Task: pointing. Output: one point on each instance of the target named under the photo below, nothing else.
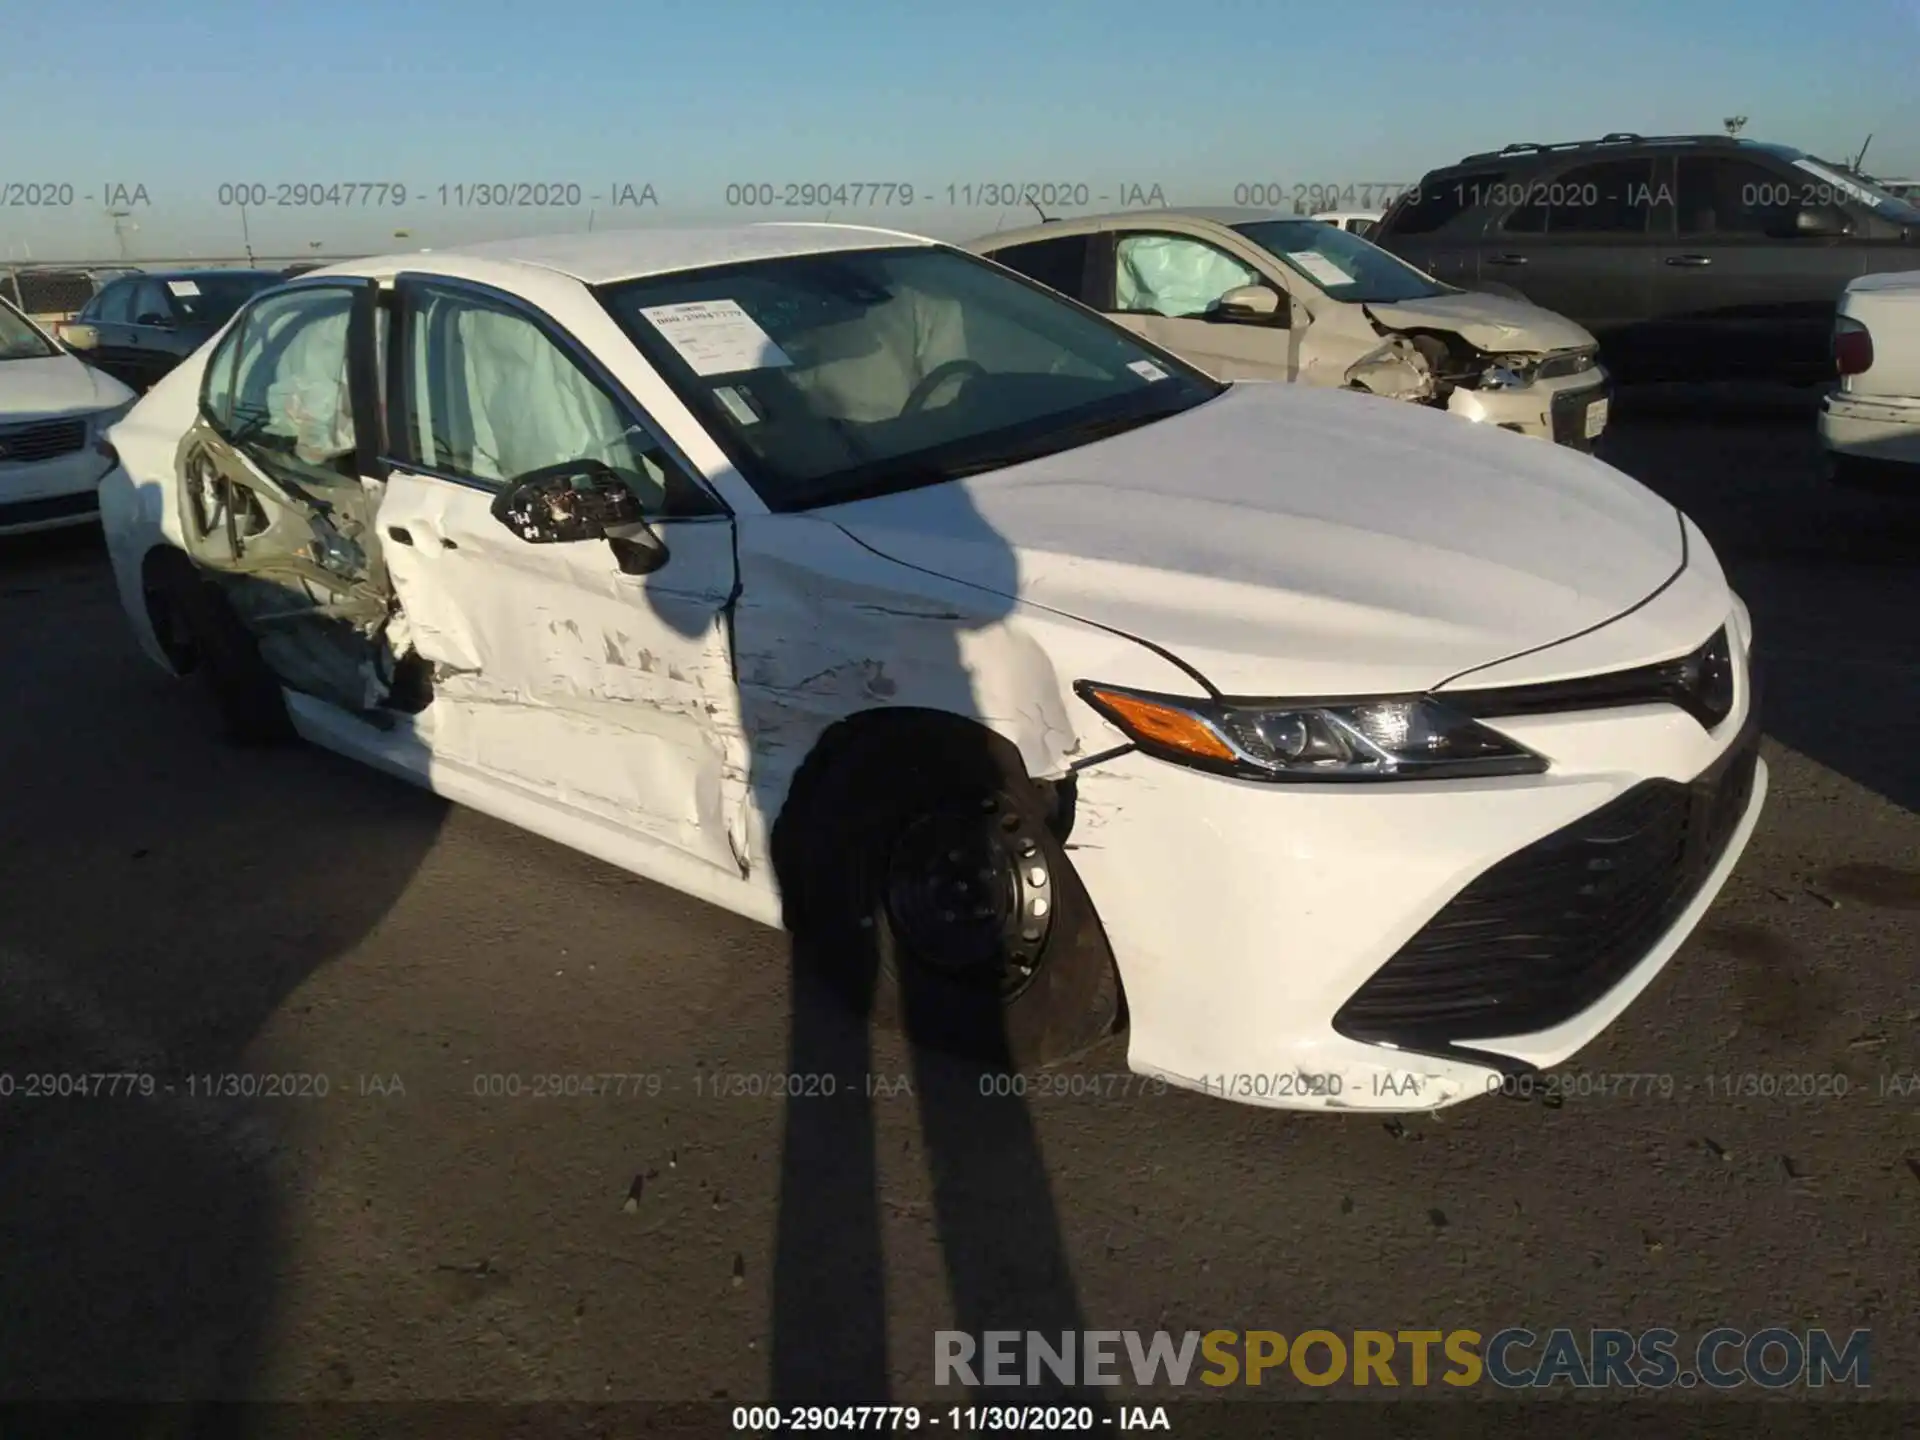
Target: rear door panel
(1736, 293)
(276, 505)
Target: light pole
(246, 234)
(120, 229)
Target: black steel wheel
(925, 881)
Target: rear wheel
(928, 886)
(204, 636)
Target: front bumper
(50, 494)
(1564, 409)
(1246, 918)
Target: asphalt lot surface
(169, 903)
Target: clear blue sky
(690, 95)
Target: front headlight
(1411, 738)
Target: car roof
(602, 257)
(1619, 140)
(1225, 215)
(200, 273)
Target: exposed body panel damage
(559, 674)
(298, 561)
(827, 629)
(1428, 365)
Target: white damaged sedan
(1351, 757)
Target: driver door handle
(1506, 259)
(1689, 259)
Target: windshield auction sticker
(716, 337)
(1319, 267)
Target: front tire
(927, 886)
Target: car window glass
(1340, 263)
(206, 301)
(836, 376)
(1723, 196)
(1059, 264)
(1174, 275)
(1609, 197)
(150, 301)
(114, 305)
(19, 339)
(1435, 202)
(290, 402)
(216, 384)
(491, 396)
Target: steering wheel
(935, 378)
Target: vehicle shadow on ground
(995, 1217)
(1829, 573)
(165, 895)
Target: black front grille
(1550, 929)
(1700, 683)
(1569, 415)
(41, 440)
(52, 507)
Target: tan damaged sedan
(1252, 295)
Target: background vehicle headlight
(1412, 738)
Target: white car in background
(845, 580)
(1251, 295)
(53, 412)
(1870, 425)
(1355, 222)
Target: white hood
(1497, 324)
(1288, 540)
(55, 385)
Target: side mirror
(1823, 222)
(78, 337)
(581, 500)
(1259, 304)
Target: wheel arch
(162, 570)
(853, 729)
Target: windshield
(1855, 187)
(20, 338)
(838, 376)
(210, 300)
(1342, 264)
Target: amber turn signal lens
(1161, 724)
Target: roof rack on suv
(1616, 137)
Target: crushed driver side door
(563, 670)
(279, 487)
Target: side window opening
(1609, 197)
(1174, 275)
(1059, 263)
(1434, 203)
(1715, 195)
(491, 396)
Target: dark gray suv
(1688, 256)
